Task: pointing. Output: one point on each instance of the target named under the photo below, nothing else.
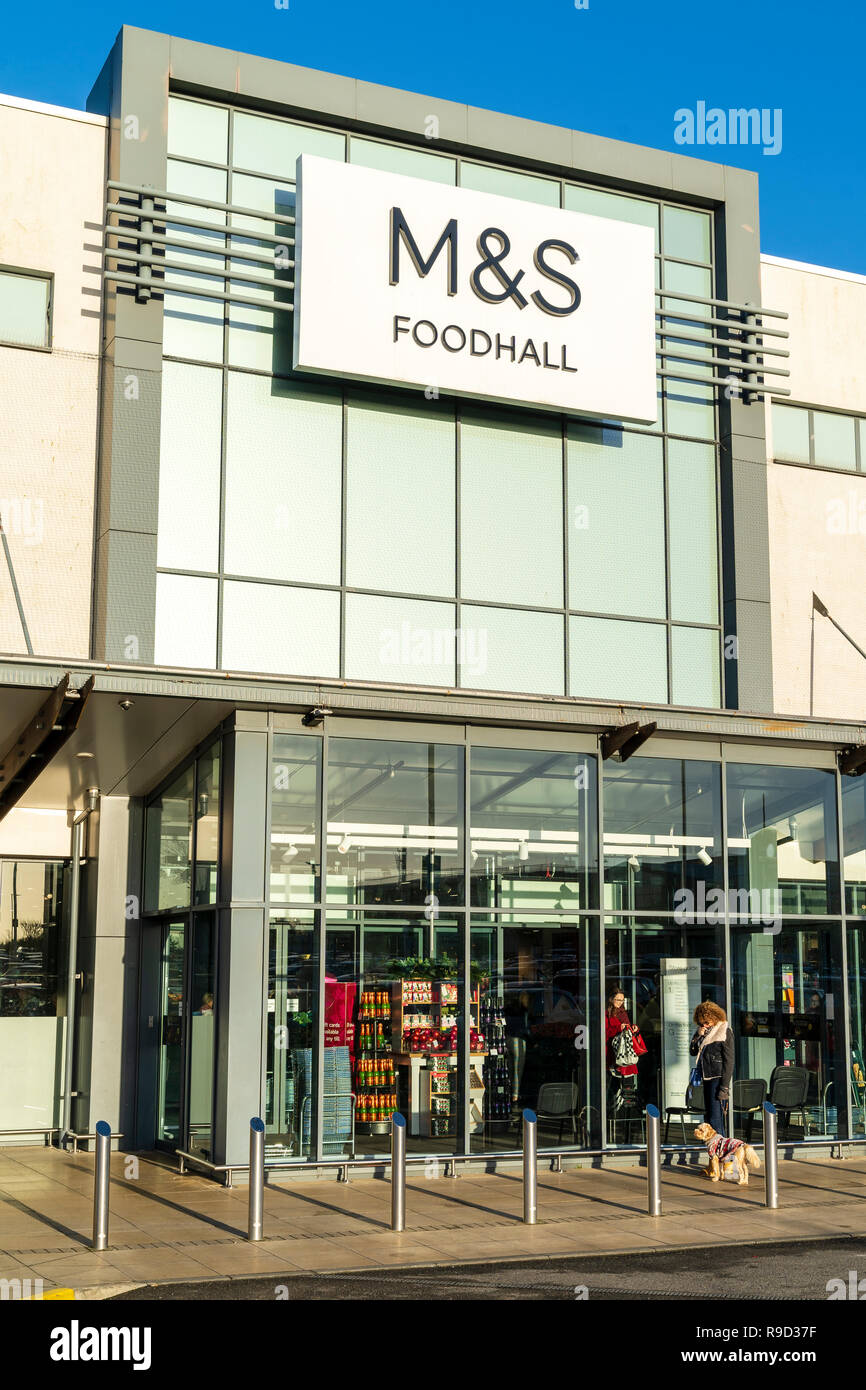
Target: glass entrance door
(172, 1009)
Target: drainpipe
(78, 833)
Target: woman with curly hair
(713, 1046)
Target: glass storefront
(447, 922)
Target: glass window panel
(686, 234)
(689, 279)
(192, 326)
(692, 519)
(782, 847)
(202, 1025)
(395, 822)
(291, 1030)
(281, 629)
(168, 844)
(272, 147)
(857, 1013)
(402, 641)
(538, 985)
(534, 838)
(394, 992)
(511, 496)
(786, 996)
(616, 554)
(854, 844)
(283, 480)
(261, 339)
(510, 649)
(612, 205)
(401, 464)
(24, 303)
(862, 428)
(198, 182)
(612, 660)
(33, 949)
(695, 667)
(790, 433)
(207, 822)
(396, 160)
(189, 468)
(689, 407)
(662, 971)
(296, 763)
(662, 821)
(186, 610)
(485, 179)
(197, 131)
(835, 445)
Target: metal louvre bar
(179, 244)
(223, 228)
(733, 362)
(757, 389)
(164, 196)
(733, 344)
(749, 328)
(161, 263)
(163, 288)
(755, 309)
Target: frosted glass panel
(513, 185)
(611, 660)
(507, 649)
(399, 641)
(191, 325)
(695, 663)
(198, 182)
(272, 147)
(693, 532)
(616, 536)
(511, 512)
(189, 468)
(24, 309)
(599, 204)
(198, 131)
(283, 481)
(834, 440)
(686, 234)
(690, 407)
(790, 434)
(401, 479)
(280, 629)
(186, 621)
(395, 160)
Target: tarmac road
(786, 1271)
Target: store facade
(432, 628)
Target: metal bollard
(530, 1167)
(101, 1179)
(653, 1161)
(257, 1179)
(398, 1172)
(771, 1157)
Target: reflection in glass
(32, 952)
(782, 845)
(786, 992)
(662, 834)
(854, 844)
(290, 1075)
(664, 970)
(202, 1007)
(533, 836)
(171, 1035)
(394, 822)
(168, 844)
(857, 1005)
(295, 791)
(394, 1002)
(207, 813)
(538, 1000)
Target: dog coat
(720, 1147)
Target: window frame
(25, 272)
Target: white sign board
(680, 985)
(412, 283)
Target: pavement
(167, 1229)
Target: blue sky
(620, 68)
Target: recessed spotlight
(704, 857)
(85, 755)
(126, 705)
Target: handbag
(695, 1080)
(624, 1050)
(638, 1043)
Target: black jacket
(717, 1059)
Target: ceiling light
(289, 853)
(474, 855)
(634, 862)
(704, 857)
(85, 755)
(126, 704)
(523, 852)
(343, 846)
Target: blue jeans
(713, 1106)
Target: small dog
(722, 1150)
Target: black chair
(747, 1098)
(681, 1111)
(557, 1100)
(789, 1087)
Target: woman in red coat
(622, 1078)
